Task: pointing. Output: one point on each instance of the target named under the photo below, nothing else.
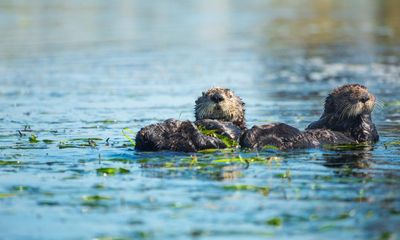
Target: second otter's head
(349, 101)
(220, 104)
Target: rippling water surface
(74, 74)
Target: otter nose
(217, 98)
(364, 98)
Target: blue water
(73, 71)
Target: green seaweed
(6, 195)
(326, 227)
(270, 147)
(241, 160)
(243, 187)
(33, 139)
(21, 188)
(79, 143)
(121, 160)
(85, 139)
(392, 104)
(106, 121)
(7, 163)
(48, 203)
(386, 236)
(276, 222)
(230, 143)
(95, 198)
(393, 143)
(230, 160)
(99, 186)
(112, 171)
(285, 175)
(346, 215)
(48, 141)
(211, 150)
(127, 136)
(342, 147)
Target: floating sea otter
(346, 120)
(218, 109)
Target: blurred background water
(71, 71)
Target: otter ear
(329, 104)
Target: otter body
(217, 109)
(346, 120)
(175, 135)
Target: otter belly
(175, 135)
(285, 137)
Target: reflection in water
(347, 162)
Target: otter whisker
(379, 104)
(344, 112)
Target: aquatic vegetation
(33, 139)
(392, 104)
(393, 143)
(127, 136)
(6, 195)
(48, 141)
(121, 160)
(79, 143)
(230, 143)
(347, 214)
(276, 222)
(342, 147)
(12, 163)
(264, 190)
(386, 236)
(270, 147)
(94, 198)
(112, 171)
(287, 174)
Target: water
(73, 71)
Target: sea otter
(348, 110)
(218, 110)
(346, 120)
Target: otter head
(349, 101)
(220, 104)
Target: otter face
(349, 101)
(220, 104)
